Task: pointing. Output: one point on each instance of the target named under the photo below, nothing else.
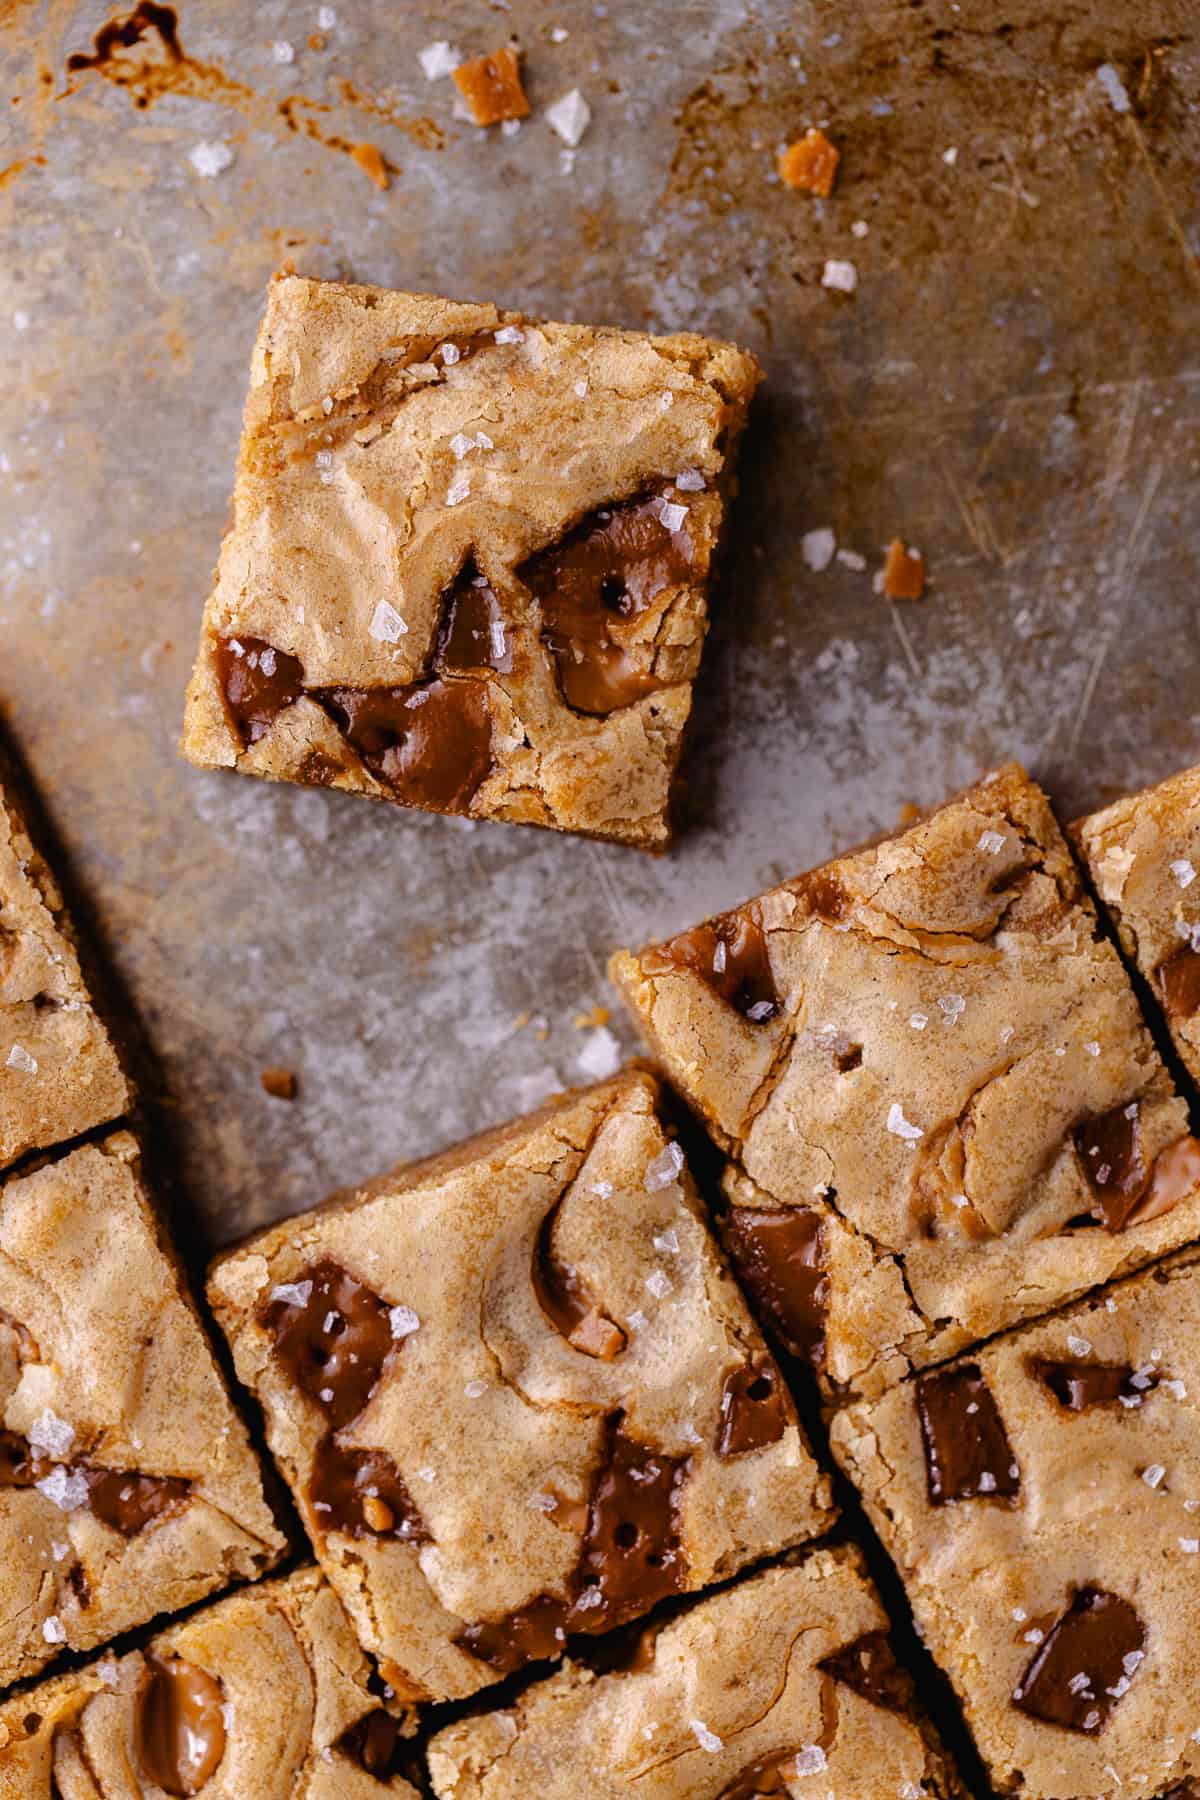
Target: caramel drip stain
(729, 954)
(1179, 983)
(755, 1411)
(1110, 1154)
(564, 1299)
(594, 586)
(431, 742)
(1080, 1385)
(778, 1256)
(375, 1744)
(13, 170)
(426, 133)
(1086, 1664)
(123, 1500)
(967, 1452)
(472, 636)
(374, 165)
(179, 1731)
(869, 1667)
(166, 68)
(362, 1494)
(631, 1557)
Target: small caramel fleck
(378, 1513)
(279, 1083)
(597, 1015)
(316, 41)
(903, 572)
(371, 162)
(810, 164)
(491, 87)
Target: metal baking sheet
(1014, 388)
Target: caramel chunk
(371, 161)
(360, 1493)
(279, 1083)
(1111, 1156)
(491, 87)
(563, 1298)
(778, 1258)
(1179, 983)
(597, 582)
(903, 572)
(967, 1452)
(1086, 1664)
(180, 1730)
(755, 1410)
(375, 1744)
(128, 1503)
(869, 1666)
(810, 164)
(431, 742)
(729, 954)
(531, 1634)
(1078, 1385)
(258, 682)
(333, 1337)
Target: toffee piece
(782, 1684)
(927, 1055)
(470, 555)
(516, 1394)
(59, 1073)
(1143, 854)
(1063, 1610)
(127, 1485)
(265, 1695)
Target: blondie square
(783, 1684)
(59, 1074)
(262, 1696)
(945, 1110)
(1143, 853)
(517, 1394)
(127, 1485)
(1042, 1502)
(469, 559)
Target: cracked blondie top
(59, 1074)
(1144, 856)
(127, 1484)
(517, 1394)
(945, 1110)
(469, 558)
(262, 1696)
(784, 1684)
(1042, 1502)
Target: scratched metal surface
(1015, 387)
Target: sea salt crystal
(637, 1320)
(1078, 1346)
(1019, 1615)
(53, 1630)
(901, 1127)
(327, 405)
(987, 1482)
(326, 18)
(707, 1740)
(569, 117)
(839, 275)
(282, 51)
(511, 128)
(850, 559)
(991, 842)
(53, 1435)
(438, 59)
(664, 1169)
(600, 1056)
(509, 334)
(602, 1188)
(667, 1242)
(324, 459)
(589, 1598)
(1183, 871)
(461, 445)
(1007, 1033)
(67, 1492)
(403, 1321)
(450, 353)
(559, 35)
(720, 957)
(474, 1389)
(458, 490)
(950, 156)
(809, 1761)
(1189, 1545)
(1108, 78)
(483, 441)
(690, 481)
(817, 548)
(952, 1005)
(292, 1293)
(1034, 1635)
(1152, 1474)
(386, 624)
(1079, 1684)
(672, 514)
(429, 1475)
(19, 1058)
(1091, 1048)
(581, 388)
(919, 1021)
(20, 321)
(212, 158)
(659, 1284)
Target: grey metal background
(1015, 387)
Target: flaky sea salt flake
(672, 514)
(1078, 1346)
(991, 842)
(690, 481)
(292, 1293)
(211, 158)
(817, 548)
(901, 1127)
(19, 1058)
(809, 1761)
(386, 626)
(1152, 1474)
(52, 1434)
(53, 1630)
(67, 1492)
(1183, 871)
(658, 1283)
(403, 1321)
(839, 275)
(282, 51)
(1109, 79)
(664, 1169)
(509, 334)
(458, 490)
(570, 117)
(707, 1740)
(438, 59)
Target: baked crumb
(370, 161)
(810, 164)
(281, 1084)
(491, 87)
(903, 572)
